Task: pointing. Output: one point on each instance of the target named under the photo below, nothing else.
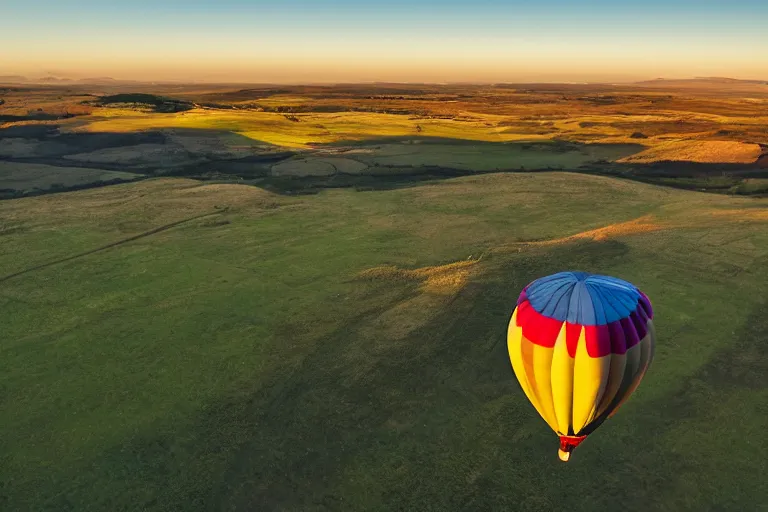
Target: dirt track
(109, 245)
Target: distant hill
(106, 80)
(701, 81)
(53, 79)
(96, 80)
(7, 79)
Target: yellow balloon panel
(571, 390)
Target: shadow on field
(686, 448)
(712, 178)
(437, 421)
(202, 154)
(703, 177)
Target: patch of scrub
(440, 280)
(438, 285)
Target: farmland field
(213, 336)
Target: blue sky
(301, 40)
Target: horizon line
(53, 80)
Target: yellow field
(705, 151)
(307, 129)
(276, 129)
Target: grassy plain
(199, 344)
(346, 350)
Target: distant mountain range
(102, 80)
(657, 82)
(12, 79)
(713, 80)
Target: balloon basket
(567, 444)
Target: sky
(315, 41)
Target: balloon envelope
(579, 345)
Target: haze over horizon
(299, 41)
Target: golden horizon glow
(411, 45)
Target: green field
(480, 156)
(398, 158)
(15, 176)
(227, 350)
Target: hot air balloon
(580, 344)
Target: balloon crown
(584, 299)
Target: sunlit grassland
(250, 359)
(276, 129)
(305, 129)
(700, 151)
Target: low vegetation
(172, 343)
